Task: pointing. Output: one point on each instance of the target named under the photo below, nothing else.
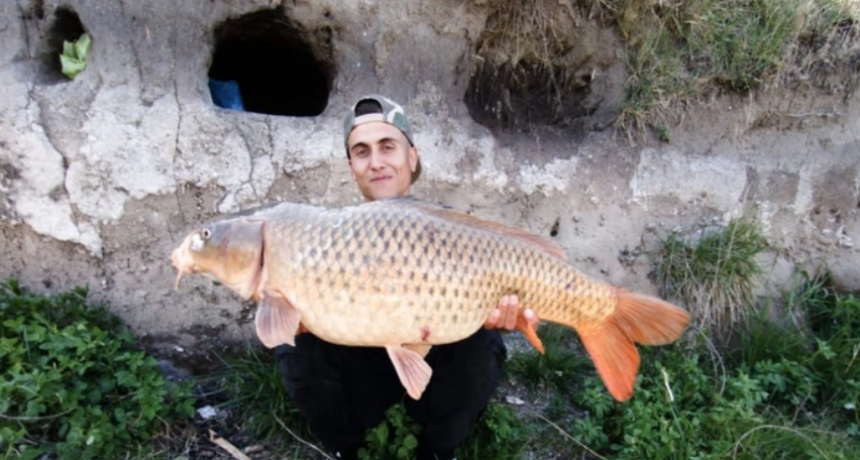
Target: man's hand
(506, 312)
(507, 316)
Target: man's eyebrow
(365, 143)
(358, 144)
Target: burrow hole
(273, 65)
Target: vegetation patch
(760, 400)
(677, 53)
(683, 51)
(73, 382)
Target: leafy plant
(73, 60)
(73, 381)
(499, 434)
(395, 438)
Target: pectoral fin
(413, 371)
(277, 321)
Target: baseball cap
(391, 113)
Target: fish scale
(404, 275)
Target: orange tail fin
(637, 318)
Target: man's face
(381, 160)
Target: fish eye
(206, 233)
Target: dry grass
(678, 52)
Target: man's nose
(376, 160)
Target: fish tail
(637, 318)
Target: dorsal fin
(546, 245)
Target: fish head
(229, 252)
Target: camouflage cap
(392, 113)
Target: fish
(406, 275)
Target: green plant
(395, 438)
(499, 434)
(73, 60)
(74, 382)
(714, 272)
(834, 321)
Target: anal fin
(277, 321)
(529, 332)
(413, 371)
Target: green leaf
(71, 66)
(82, 47)
(73, 60)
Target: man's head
(382, 157)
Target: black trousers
(341, 391)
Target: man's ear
(413, 158)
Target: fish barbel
(406, 275)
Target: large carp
(406, 275)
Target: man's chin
(381, 193)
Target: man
(342, 391)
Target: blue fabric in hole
(225, 94)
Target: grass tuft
(253, 390)
(714, 272)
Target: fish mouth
(180, 264)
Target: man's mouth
(380, 178)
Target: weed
(395, 438)
(74, 383)
(714, 273)
(834, 322)
(499, 434)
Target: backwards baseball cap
(378, 108)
